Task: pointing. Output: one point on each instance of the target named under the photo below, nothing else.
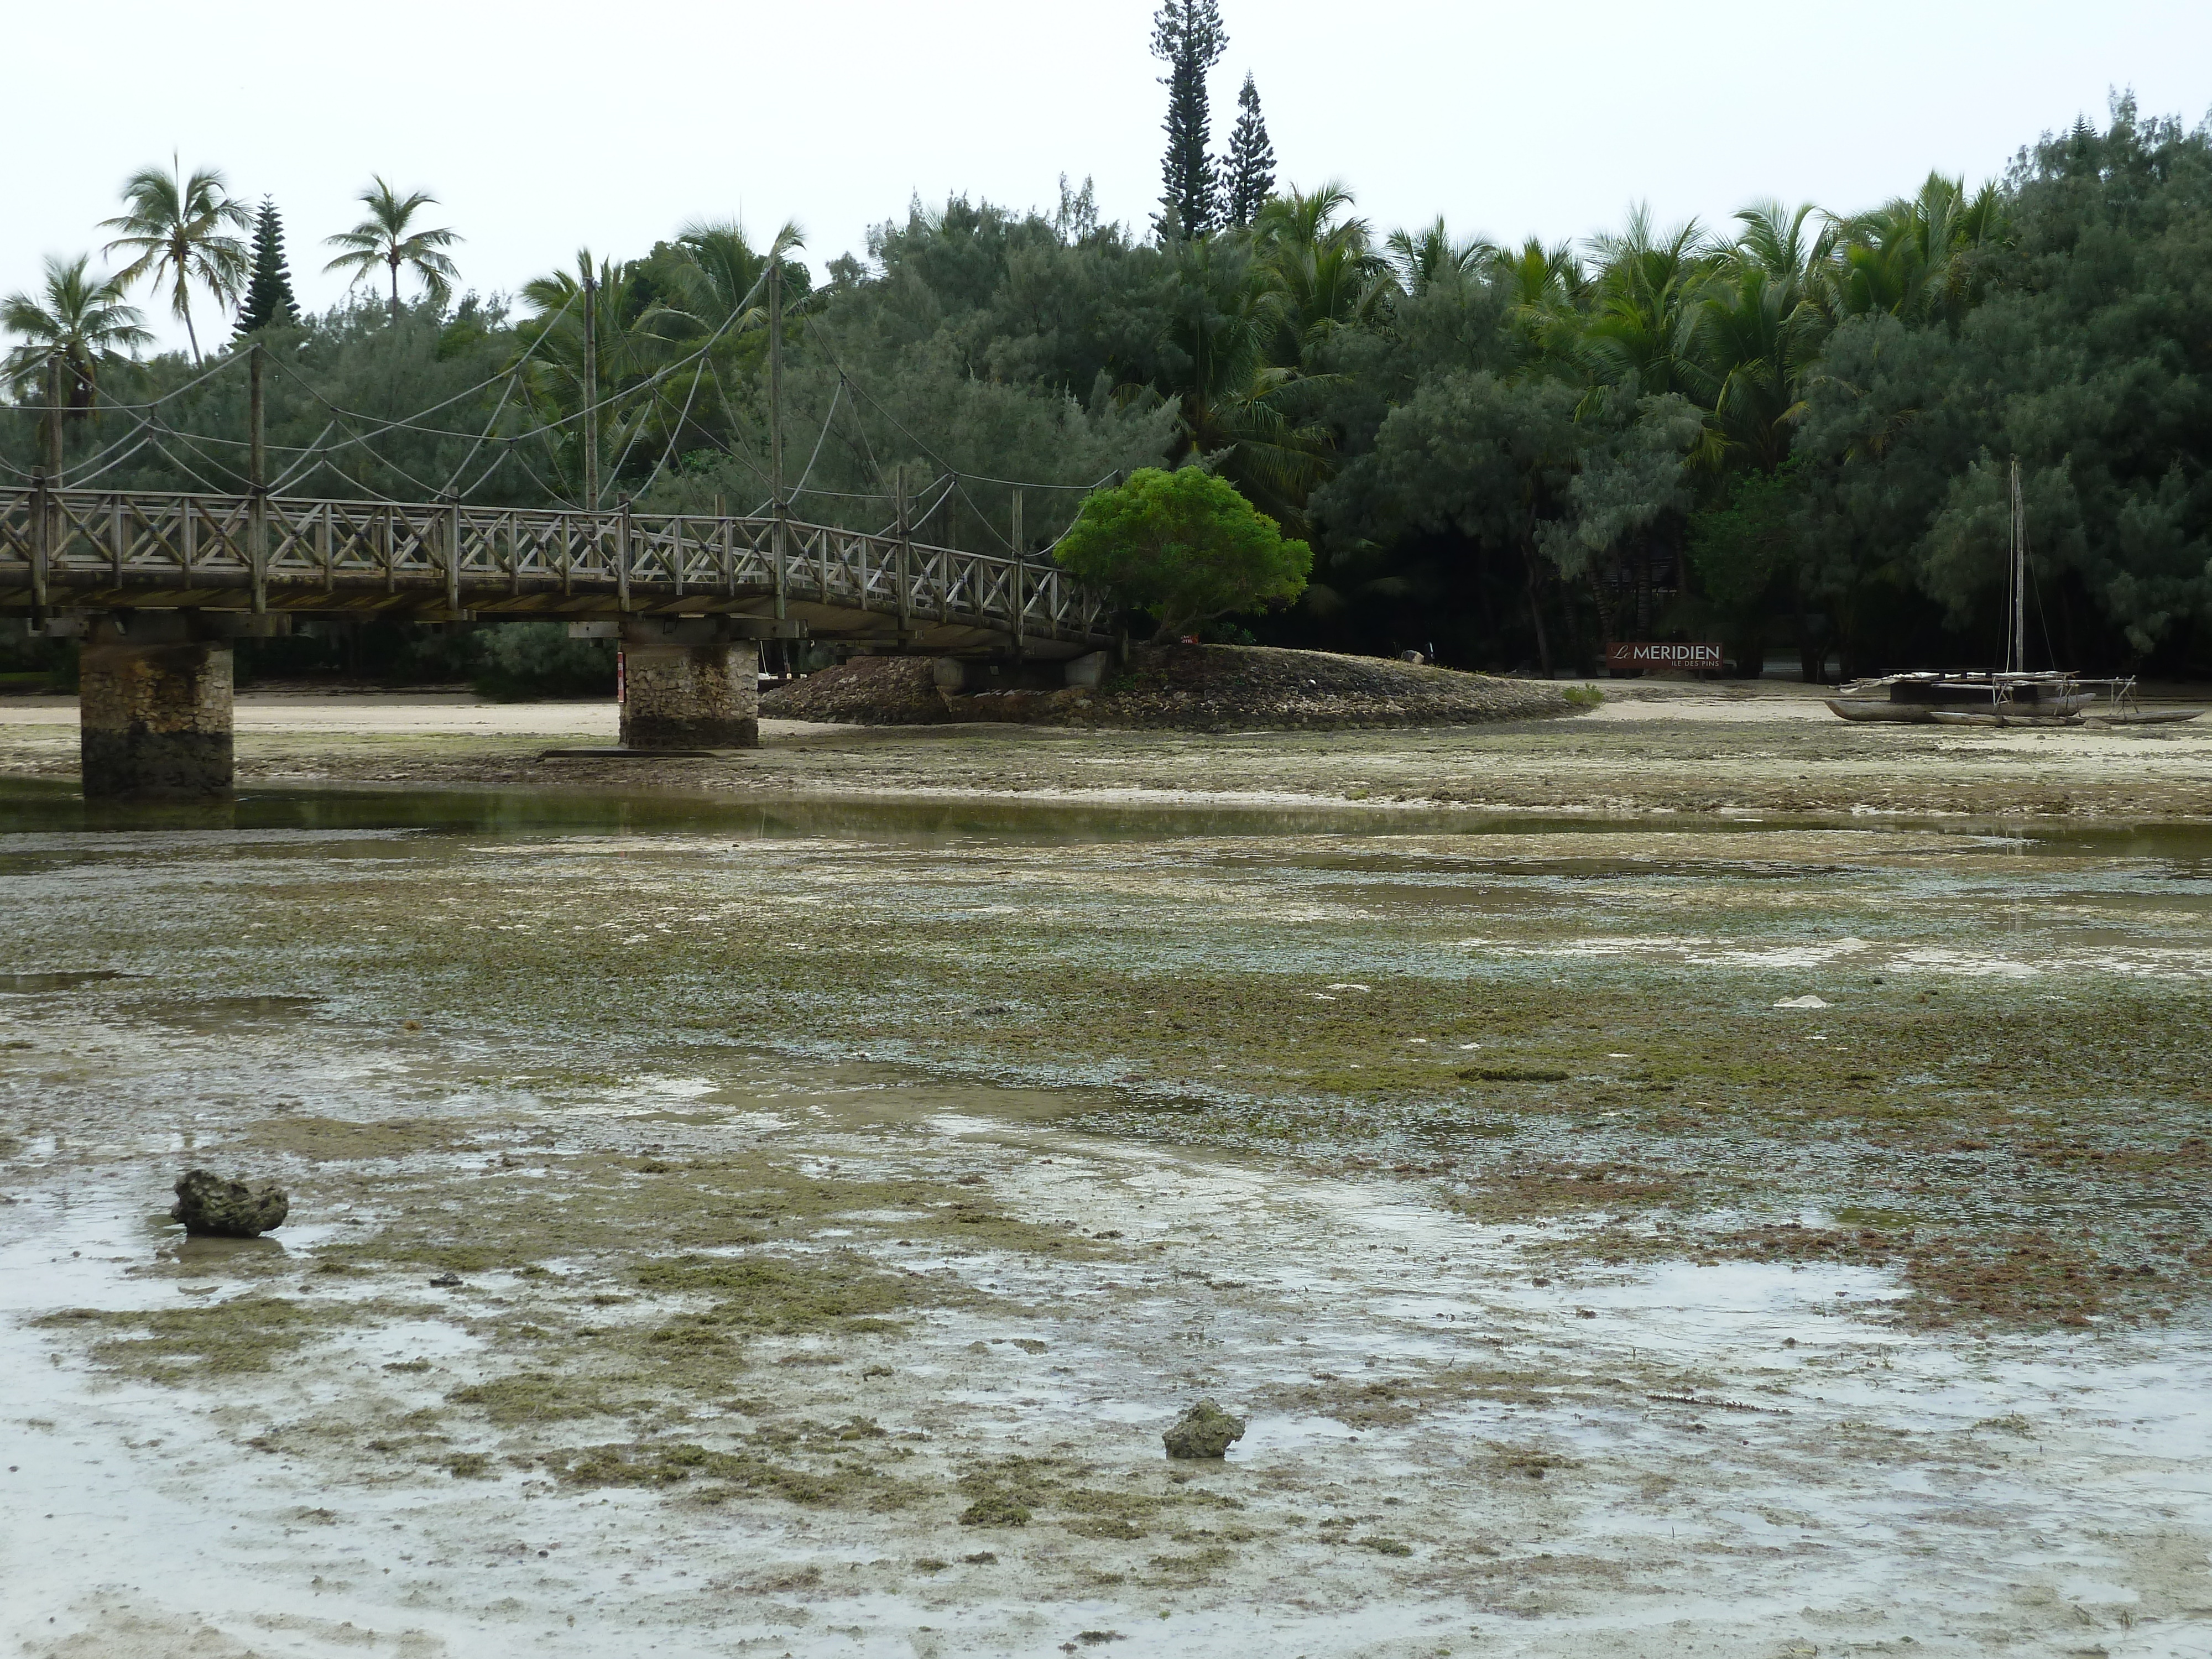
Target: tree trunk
(192, 333)
(1604, 606)
(1570, 630)
(394, 263)
(1811, 657)
(1536, 608)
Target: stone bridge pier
(155, 701)
(689, 683)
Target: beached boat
(2011, 696)
(2140, 716)
(1999, 717)
(1879, 709)
(2045, 694)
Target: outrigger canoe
(2007, 717)
(2146, 717)
(1998, 699)
(2052, 698)
(1876, 708)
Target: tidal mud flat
(1621, 1237)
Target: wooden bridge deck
(67, 548)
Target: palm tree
(630, 338)
(1922, 257)
(1766, 317)
(1758, 340)
(1227, 316)
(721, 270)
(82, 318)
(717, 288)
(176, 226)
(1774, 239)
(1543, 289)
(1643, 330)
(1323, 267)
(385, 239)
(1424, 257)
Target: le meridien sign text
(1626, 653)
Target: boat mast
(2017, 582)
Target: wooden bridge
(158, 584)
(98, 551)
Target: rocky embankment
(1203, 687)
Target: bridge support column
(684, 691)
(154, 706)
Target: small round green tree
(1185, 546)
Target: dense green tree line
(1794, 432)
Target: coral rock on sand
(1204, 1431)
(208, 1204)
(1200, 687)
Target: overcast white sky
(546, 126)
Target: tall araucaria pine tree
(1187, 36)
(268, 289)
(1249, 173)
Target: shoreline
(1653, 748)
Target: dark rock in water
(1204, 1431)
(208, 1204)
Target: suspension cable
(676, 436)
(979, 478)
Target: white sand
(373, 713)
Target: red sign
(1661, 654)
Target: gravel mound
(865, 691)
(1202, 688)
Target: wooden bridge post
(590, 390)
(55, 361)
(45, 511)
(257, 480)
(905, 558)
(944, 566)
(776, 539)
(727, 534)
(451, 519)
(1021, 580)
(622, 554)
(41, 536)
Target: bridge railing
(67, 540)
